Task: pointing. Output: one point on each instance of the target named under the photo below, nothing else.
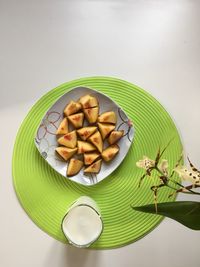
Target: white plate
(46, 141)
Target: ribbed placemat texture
(45, 195)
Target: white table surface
(154, 44)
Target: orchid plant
(190, 174)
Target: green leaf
(185, 212)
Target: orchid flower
(163, 167)
(188, 174)
(145, 163)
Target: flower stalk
(190, 174)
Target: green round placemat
(45, 195)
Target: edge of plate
(91, 89)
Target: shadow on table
(65, 255)
(81, 257)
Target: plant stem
(158, 170)
(191, 191)
(170, 187)
(177, 183)
(188, 188)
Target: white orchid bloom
(188, 175)
(145, 163)
(164, 167)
